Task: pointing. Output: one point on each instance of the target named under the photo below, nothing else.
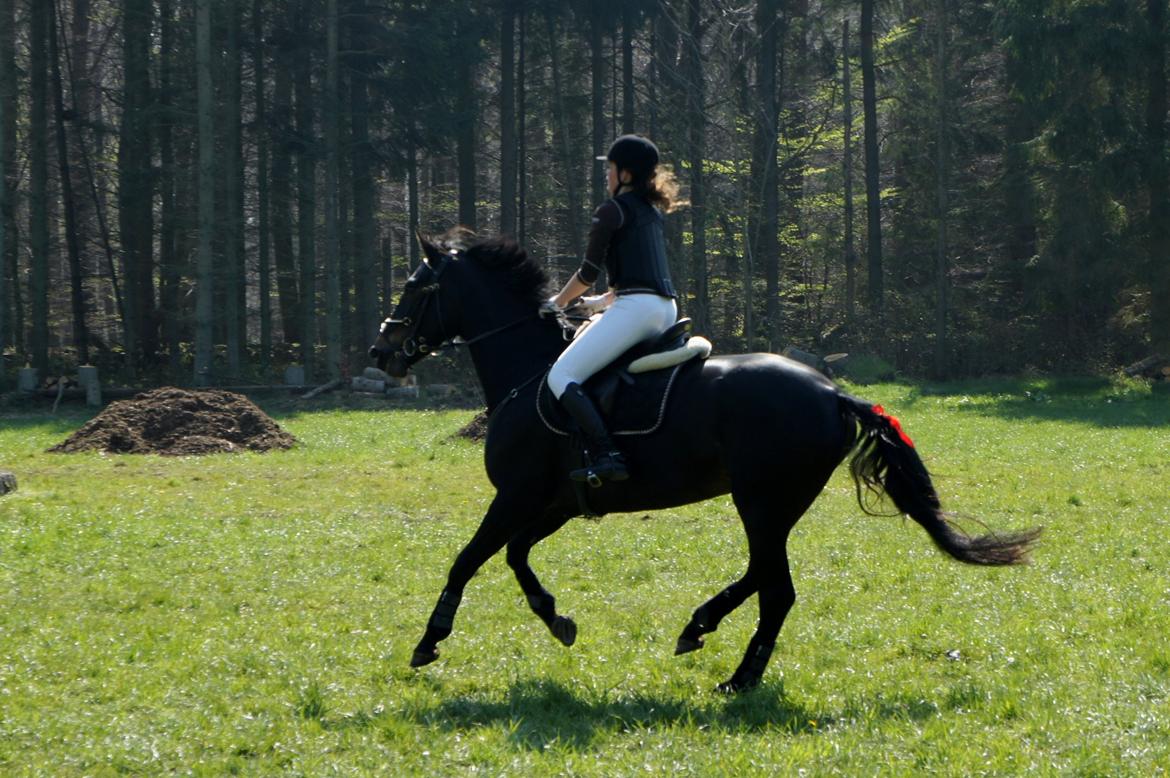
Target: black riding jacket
(626, 238)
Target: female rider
(626, 238)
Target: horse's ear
(433, 253)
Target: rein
(450, 344)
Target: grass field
(255, 614)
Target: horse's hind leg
(708, 615)
(543, 604)
(767, 525)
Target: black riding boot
(607, 462)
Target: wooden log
(374, 374)
(329, 387)
(1148, 366)
(403, 391)
(361, 384)
(804, 357)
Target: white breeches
(631, 319)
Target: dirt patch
(476, 429)
(179, 422)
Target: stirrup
(610, 467)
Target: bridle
(415, 346)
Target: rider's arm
(607, 219)
(571, 291)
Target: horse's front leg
(543, 604)
(504, 518)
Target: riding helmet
(633, 153)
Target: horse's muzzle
(390, 360)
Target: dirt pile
(179, 422)
(476, 429)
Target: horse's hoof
(564, 629)
(686, 646)
(733, 686)
(420, 658)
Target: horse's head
(421, 322)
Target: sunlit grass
(255, 613)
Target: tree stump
(7, 483)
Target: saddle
(642, 377)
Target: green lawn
(255, 614)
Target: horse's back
(771, 407)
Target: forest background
(202, 192)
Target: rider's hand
(594, 303)
(550, 308)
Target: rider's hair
(661, 188)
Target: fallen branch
(329, 387)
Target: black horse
(766, 429)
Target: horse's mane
(524, 275)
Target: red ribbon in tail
(893, 422)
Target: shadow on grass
(538, 713)
(1096, 402)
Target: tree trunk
(233, 165)
(847, 171)
(6, 73)
(84, 91)
(563, 147)
(333, 349)
(306, 192)
(135, 182)
(507, 118)
(76, 276)
(942, 280)
(1159, 186)
(11, 312)
(744, 201)
(79, 78)
(412, 198)
(597, 67)
(205, 291)
(170, 273)
(366, 276)
(765, 247)
(521, 131)
(38, 231)
(696, 150)
(629, 21)
(466, 115)
(281, 135)
(263, 248)
(387, 263)
(873, 206)
(667, 111)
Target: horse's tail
(885, 462)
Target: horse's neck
(505, 361)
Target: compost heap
(179, 422)
(476, 429)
